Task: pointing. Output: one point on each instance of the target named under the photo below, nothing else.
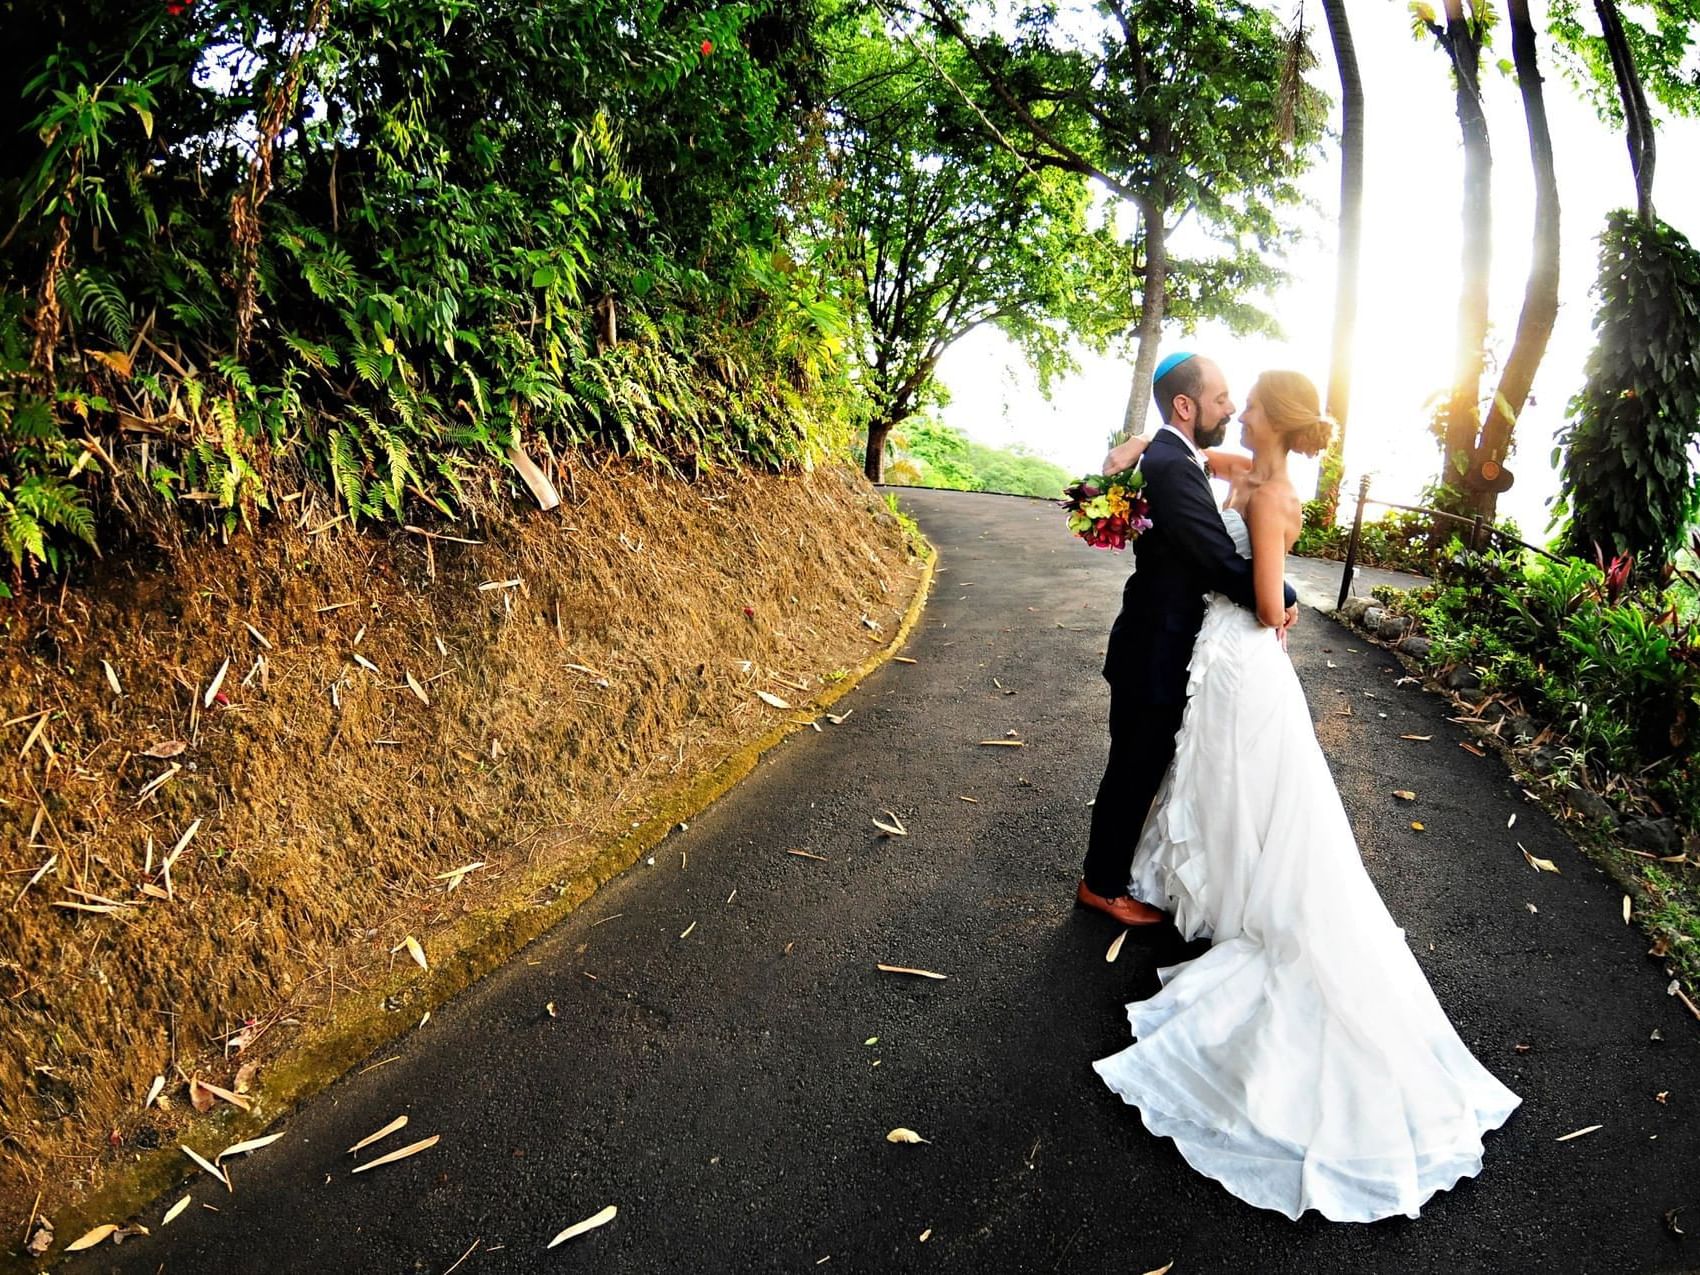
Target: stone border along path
(708, 1045)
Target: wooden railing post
(1352, 543)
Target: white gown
(1303, 1062)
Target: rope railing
(1478, 527)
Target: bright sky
(1410, 276)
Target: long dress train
(1303, 1061)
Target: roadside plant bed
(1590, 689)
(1398, 541)
(266, 790)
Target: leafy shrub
(1626, 477)
(1616, 668)
(373, 244)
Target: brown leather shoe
(1125, 908)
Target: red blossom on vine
(707, 47)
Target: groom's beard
(1213, 436)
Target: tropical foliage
(1613, 665)
(938, 233)
(377, 245)
(932, 455)
(1624, 459)
(1114, 94)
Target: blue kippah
(1170, 363)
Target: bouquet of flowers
(1107, 511)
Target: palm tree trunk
(1463, 417)
(1643, 152)
(1351, 242)
(1540, 297)
(1151, 309)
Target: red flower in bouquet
(1108, 511)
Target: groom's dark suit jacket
(1186, 555)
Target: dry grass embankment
(230, 868)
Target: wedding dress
(1303, 1062)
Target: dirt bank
(250, 772)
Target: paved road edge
(461, 956)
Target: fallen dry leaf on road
(1116, 947)
(209, 1166)
(806, 854)
(904, 1135)
(412, 1148)
(99, 1235)
(1580, 1132)
(1471, 749)
(400, 1122)
(1419, 738)
(1003, 743)
(904, 969)
(893, 829)
(838, 719)
(1662, 1097)
(1404, 794)
(1627, 906)
(172, 1213)
(1539, 865)
(1416, 826)
(928, 1233)
(1511, 822)
(768, 698)
(252, 1144)
(1162, 1270)
(1670, 1222)
(577, 1229)
(903, 659)
(688, 929)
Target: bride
(1302, 1061)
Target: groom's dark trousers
(1186, 555)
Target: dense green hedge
(373, 243)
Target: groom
(1186, 555)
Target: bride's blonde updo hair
(1293, 409)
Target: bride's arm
(1125, 455)
(1227, 464)
(1268, 558)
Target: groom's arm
(1181, 504)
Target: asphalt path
(723, 1061)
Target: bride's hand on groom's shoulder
(1124, 456)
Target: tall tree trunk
(1463, 416)
(1351, 243)
(1151, 309)
(1643, 153)
(873, 461)
(1540, 297)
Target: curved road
(730, 1090)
